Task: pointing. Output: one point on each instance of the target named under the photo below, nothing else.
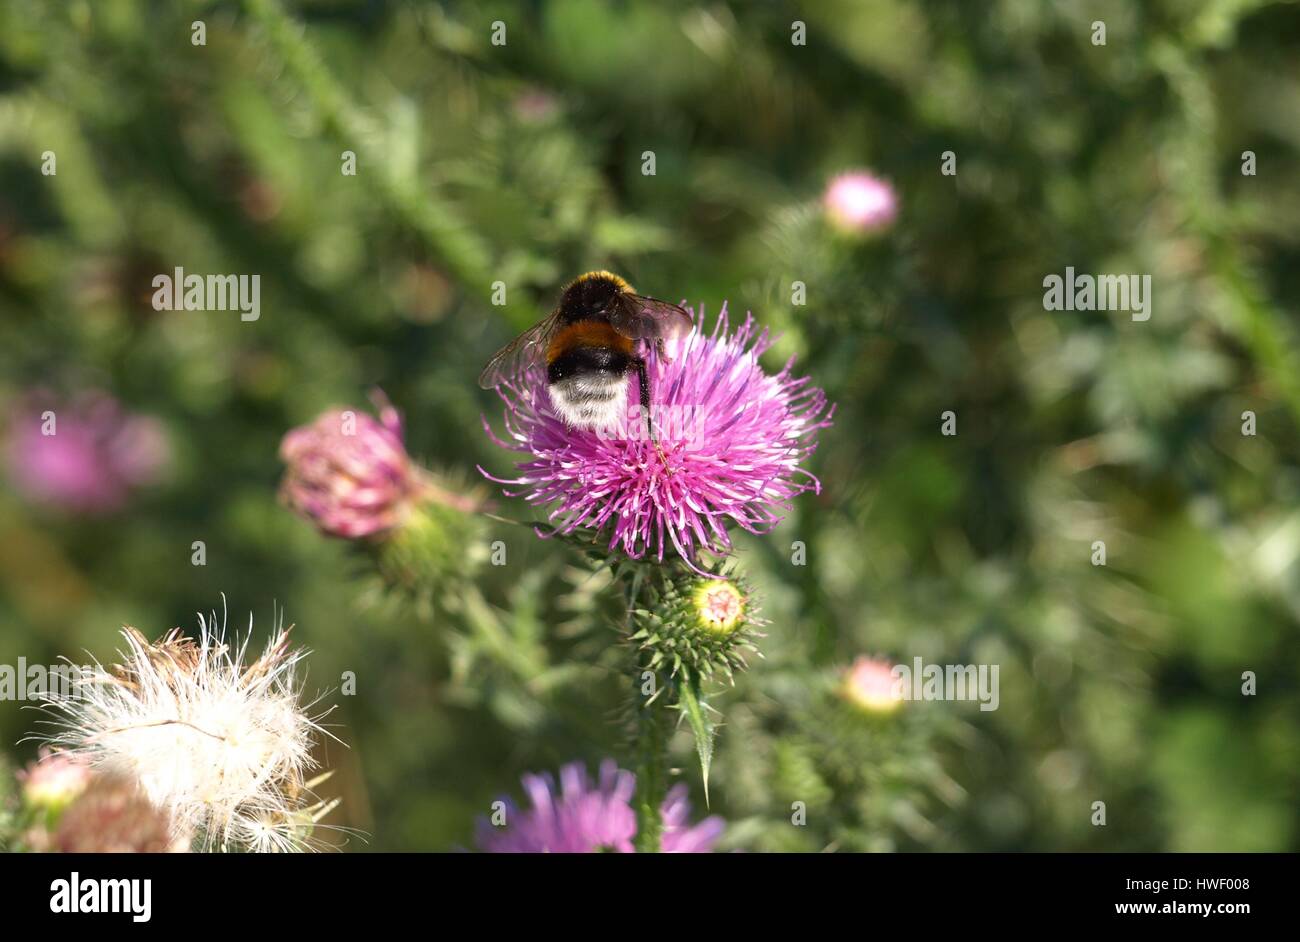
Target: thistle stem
(651, 775)
(651, 746)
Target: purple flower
(583, 819)
(859, 202)
(85, 455)
(679, 837)
(731, 442)
(349, 472)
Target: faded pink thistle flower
(582, 818)
(349, 473)
(870, 685)
(112, 816)
(860, 202)
(86, 454)
(733, 439)
(54, 779)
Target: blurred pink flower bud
(536, 105)
(349, 473)
(870, 685)
(54, 779)
(113, 816)
(86, 455)
(859, 202)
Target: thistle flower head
(858, 202)
(869, 685)
(86, 454)
(580, 817)
(349, 473)
(697, 624)
(732, 440)
(221, 746)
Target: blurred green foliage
(522, 164)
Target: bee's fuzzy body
(599, 334)
(587, 360)
(596, 401)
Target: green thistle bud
(438, 547)
(695, 625)
(719, 606)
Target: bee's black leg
(643, 381)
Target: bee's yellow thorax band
(609, 275)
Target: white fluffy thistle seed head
(222, 747)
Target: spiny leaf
(689, 701)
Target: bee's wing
(519, 354)
(642, 318)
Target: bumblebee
(597, 335)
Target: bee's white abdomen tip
(590, 401)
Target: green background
(522, 164)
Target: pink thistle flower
(858, 202)
(349, 473)
(733, 441)
(582, 818)
(85, 455)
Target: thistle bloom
(870, 685)
(582, 818)
(732, 439)
(218, 746)
(858, 202)
(86, 455)
(349, 473)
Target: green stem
(651, 775)
(651, 747)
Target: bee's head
(590, 295)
